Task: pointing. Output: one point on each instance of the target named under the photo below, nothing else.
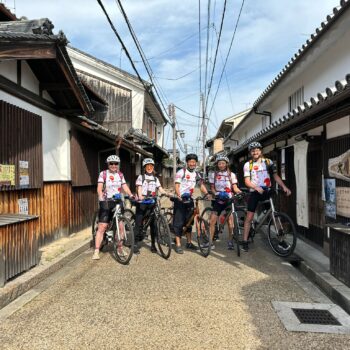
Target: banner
(23, 174)
(339, 167)
(331, 198)
(343, 201)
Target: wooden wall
(62, 209)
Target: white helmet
(147, 161)
(222, 157)
(113, 158)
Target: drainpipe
(265, 113)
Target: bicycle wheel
(282, 237)
(206, 213)
(94, 227)
(129, 214)
(203, 237)
(163, 237)
(236, 233)
(123, 240)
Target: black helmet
(191, 156)
(254, 145)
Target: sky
(268, 34)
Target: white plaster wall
(138, 102)
(28, 79)
(55, 138)
(338, 127)
(9, 70)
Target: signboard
(23, 206)
(343, 201)
(339, 167)
(7, 175)
(23, 174)
(330, 193)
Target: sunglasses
(112, 163)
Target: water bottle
(109, 235)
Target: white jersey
(149, 184)
(259, 173)
(187, 180)
(113, 183)
(223, 181)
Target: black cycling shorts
(105, 212)
(254, 199)
(218, 207)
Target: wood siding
(62, 209)
(21, 139)
(119, 116)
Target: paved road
(187, 302)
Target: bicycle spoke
(123, 240)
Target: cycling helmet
(113, 158)
(147, 161)
(222, 157)
(254, 145)
(191, 156)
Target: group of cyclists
(258, 173)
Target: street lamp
(181, 132)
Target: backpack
(267, 161)
(198, 177)
(148, 181)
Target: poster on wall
(343, 201)
(283, 171)
(339, 167)
(23, 174)
(7, 175)
(330, 193)
(23, 206)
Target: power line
(182, 110)
(216, 51)
(227, 56)
(183, 76)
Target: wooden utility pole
(173, 119)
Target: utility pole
(173, 119)
(204, 130)
(186, 149)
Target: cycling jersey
(113, 183)
(149, 184)
(223, 181)
(187, 180)
(259, 172)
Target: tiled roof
(302, 110)
(337, 12)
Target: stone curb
(31, 278)
(334, 289)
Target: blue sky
(268, 35)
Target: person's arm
(212, 188)
(100, 191)
(236, 189)
(162, 191)
(139, 192)
(252, 185)
(203, 188)
(286, 190)
(126, 189)
(177, 190)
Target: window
(296, 99)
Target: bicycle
(119, 233)
(234, 209)
(202, 227)
(280, 228)
(163, 235)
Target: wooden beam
(54, 86)
(27, 51)
(19, 72)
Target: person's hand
(141, 198)
(287, 191)
(259, 189)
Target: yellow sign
(7, 175)
(343, 201)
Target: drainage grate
(312, 316)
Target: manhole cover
(313, 316)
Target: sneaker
(96, 255)
(178, 250)
(230, 245)
(153, 249)
(245, 246)
(191, 246)
(136, 249)
(283, 245)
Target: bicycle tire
(206, 213)
(123, 249)
(275, 237)
(94, 226)
(163, 237)
(236, 234)
(203, 237)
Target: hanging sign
(23, 206)
(7, 175)
(330, 192)
(343, 201)
(23, 174)
(339, 167)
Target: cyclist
(185, 181)
(223, 183)
(146, 187)
(257, 177)
(110, 183)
